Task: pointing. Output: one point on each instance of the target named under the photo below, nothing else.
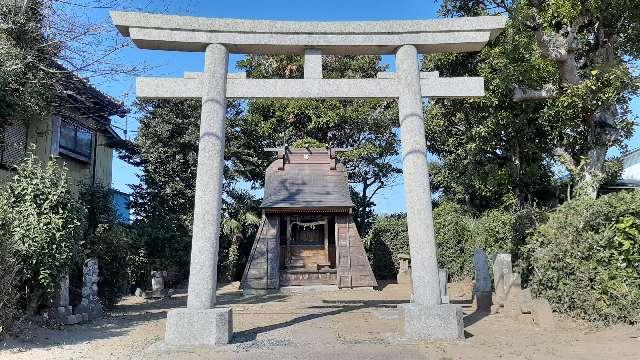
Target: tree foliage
(166, 150)
(560, 74)
(106, 240)
(44, 226)
(586, 259)
(26, 91)
(365, 127)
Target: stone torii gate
(425, 317)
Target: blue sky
(175, 63)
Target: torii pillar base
(434, 322)
(187, 327)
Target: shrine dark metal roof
(306, 178)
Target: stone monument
(157, 286)
(482, 288)
(404, 273)
(90, 302)
(443, 277)
(201, 323)
(502, 276)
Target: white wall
(631, 169)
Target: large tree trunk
(561, 47)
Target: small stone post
(62, 302)
(200, 323)
(157, 285)
(90, 302)
(443, 276)
(425, 317)
(482, 288)
(502, 276)
(404, 273)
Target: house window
(75, 140)
(13, 141)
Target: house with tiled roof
(77, 133)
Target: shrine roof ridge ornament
(188, 33)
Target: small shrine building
(307, 235)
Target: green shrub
(106, 240)
(9, 271)
(458, 234)
(453, 227)
(386, 240)
(586, 258)
(44, 229)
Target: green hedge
(454, 238)
(586, 258)
(458, 234)
(386, 240)
(9, 271)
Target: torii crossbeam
(425, 317)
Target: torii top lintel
(186, 33)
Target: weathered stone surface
(482, 287)
(439, 322)
(443, 277)
(170, 32)
(512, 297)
(90, 302)
(404, 271)
(179, 88)
(156, 294)
(542, 313)
(63, 291)
(157, 280)
(526, 301)
(502, 275)
(312, 64)
(481, 266)
(422, 245)
(208, 197)
(209, 327)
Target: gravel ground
(324, 325)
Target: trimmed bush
(586, 258)
(458, 234)
(106, 240)
(44, 227)
(9, 271)
(386, 240)
(453, 227)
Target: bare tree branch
(524, 94)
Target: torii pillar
(201, 323)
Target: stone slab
(182, 33)
(179, 88)
(526, 301)
(439, 322)
(210, 327)
(542, 313)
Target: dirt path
(328, 325)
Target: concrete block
(210, 327)
(439, 322)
